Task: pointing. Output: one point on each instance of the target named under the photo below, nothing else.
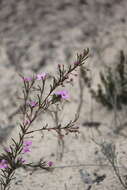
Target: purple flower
(27, 79)
(27, 143)
(41, 76)
(63, 93)
(22, 160)
(33, 103)
(3, 164)
(26, 122)
(26, 149)
(50, 163)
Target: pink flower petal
(50, 163)
(33, 103)
(27, 143)
(27, 79)
(3, 164)
(41, 76)
(63, 93)
(26, 149)
(22, 160)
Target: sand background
(35, 36)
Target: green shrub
(112, 92)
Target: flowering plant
(12, 157)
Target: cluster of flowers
(62, 93)
(41, 76)
(27, 144)
(26, 149)
(31, 109)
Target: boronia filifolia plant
(12, 157)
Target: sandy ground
(35, 36)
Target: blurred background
(37, 35)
